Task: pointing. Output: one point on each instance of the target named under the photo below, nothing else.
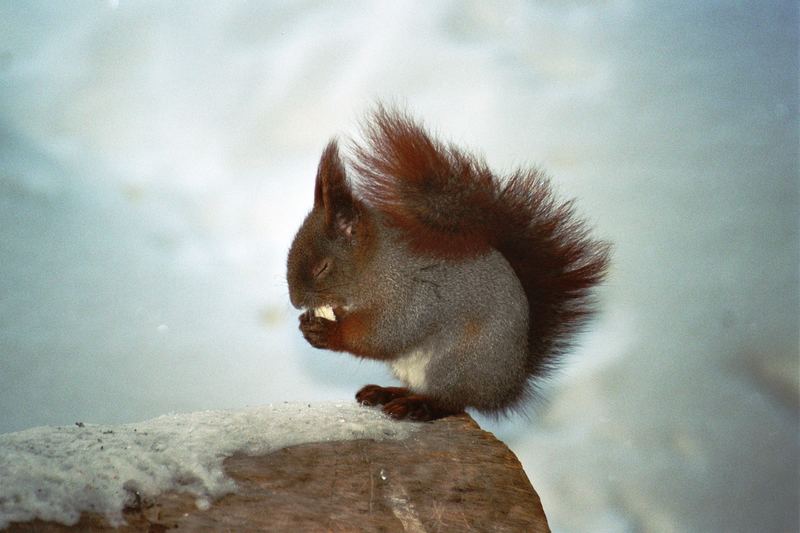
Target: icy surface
(156, 157)
(55, 473)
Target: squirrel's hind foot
(418, 408)
(400, 403)
(371, 395)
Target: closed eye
(321, 268)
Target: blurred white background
(157, 157)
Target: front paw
(319, 332)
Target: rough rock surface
(448, 476)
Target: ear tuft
(330, 174)
(333, 194)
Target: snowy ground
(155, 159)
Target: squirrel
(469, 286)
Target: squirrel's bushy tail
(447, 203)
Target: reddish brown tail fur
(449, 204)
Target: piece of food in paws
(326, 312)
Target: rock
(448, 476)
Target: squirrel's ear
(333, 195)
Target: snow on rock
(55, 473)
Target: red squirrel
(469, 286)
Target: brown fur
(471, 330)
(356, 329)
(350, 332)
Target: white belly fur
(410, 368)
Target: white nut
(326, 312)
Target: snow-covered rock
(57, 473)
(447, 475)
